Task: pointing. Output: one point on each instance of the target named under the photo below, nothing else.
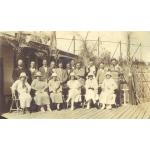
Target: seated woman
(74, 90)
(107, 96)
(91, 86)
(55, 90)
(23, 88)
(41, 96)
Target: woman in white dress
(23, 88)
(41, 96)
(107, 96)
(55, 89)
(74, 94)
(91, 86)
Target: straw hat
(38, 74)
(54, 74)
(90, 74)
(72, 74)
(23, 74)
(108, 73)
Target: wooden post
(74, 44)
(120, 52)
(1, 80)
(98, 46)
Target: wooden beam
(1, 80)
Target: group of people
(73, 84)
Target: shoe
(109, 107)
(42, 109)
(72, 108)
(103, 107)
(48, 109)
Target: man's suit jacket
(45, 75)
(62, 75)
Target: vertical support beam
(1, 79)
(120, 52)
(74, 44)
(98, 46)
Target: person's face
(91, 63)
(108, 76)
(23, 78)
(78, 65)
(72, 77)
(20, 62)
(72, 62)
(101, 66)
(68, 65)
(54, 78)
(60, 65)
(45, 62)
(38, 78)
(52, 64)
(32, 64)
(90, 77)
(114, 62)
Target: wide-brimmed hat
(38, 74)
(54, 74)
(72, 74)
(108, 73)
(90, 74)
(23, 74)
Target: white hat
(54, 74)
(38, 74)
(90, 74)
(72, 74)
(23, 74)
(108, 73)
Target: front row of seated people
(54, 88)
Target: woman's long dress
(74, 90)
(107, 95)
(41, 96)
(55, 89)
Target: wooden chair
(15, 106)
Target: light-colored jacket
(91, 84)
(62, 75)
(54, 86)
(109, 85)
(20, 87)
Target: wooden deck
(141, 111)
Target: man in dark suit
(45, 70)
(19, 69)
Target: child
(91, 86)
(107, 96)
(74, 90)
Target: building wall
(8, 62)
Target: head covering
(54, 74)
(72, 74)
(38, 74)
(108, 73)
(23, 74)
(90, 74)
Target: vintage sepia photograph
(75, 74)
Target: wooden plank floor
(141, 111)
